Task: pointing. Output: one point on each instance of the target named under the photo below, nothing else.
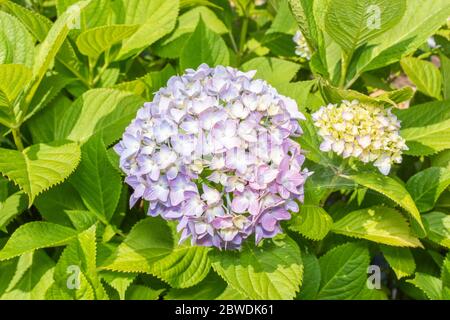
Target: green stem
(344, 68)
(17, 139)
(243, 38)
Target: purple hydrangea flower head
(214, 151)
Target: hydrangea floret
(301, 46)
(214, 151)
(366, 132)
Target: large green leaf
(313, 222)
(39, 25)
(351, 23)
(53, 41)
(393, 190)
(156, 17)
(426, 186)
(431, 286)
(417, 24)
(424, 74)
(40, 166)
(96, 13)
(276, 71)
(16, 44)
(150, 248)
(169, 47)
(36, 235)
(343, 271)
(438, 227)
(54, 204)
(210, 288)
(79, 257)
(13, 78)
(11, 207)
(96, 180)
(32, 279)
(284, 21)
(400, 260)
(311, 277)
(94, 42)
(208, 46)
(107, 111)
(272, 271)
(380, 224)
(426, 127)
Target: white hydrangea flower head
(366, 132)
(302, 48)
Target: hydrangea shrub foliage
(281, 149)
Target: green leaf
(394, 191)
(208, 289)
(96, 180)
(36, 235)
(370, 294)
(426, 186)
(313, 222)
(299, 91)
(169, 47)
(44, 125)
(208, 46)
(54, 204)
(81, 219)
(272, 271)
(11, 207)
(437, 225)
(49, 88)
(99, 110)
(303, 11)
(284, 21)
(379, 224)
(119, 281)
(40, 166)
(49, 48)
(24, 262)
(351, 23)
(311, 277)
(16, 44)
(36, 24)
(34, 280)
(13, 78)
(445, 277)
(156, 17)
(400, 260)
(426, 127)
(39, 26)
(424, 74)
(431, 286)
(343, 271)
(417, 24)
(150, 248)
(93, 42)
(276, 71)
(96, 13)
(79, 258)
(139, 292)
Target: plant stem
(344, 68)
(17, 139)
(243, 37)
